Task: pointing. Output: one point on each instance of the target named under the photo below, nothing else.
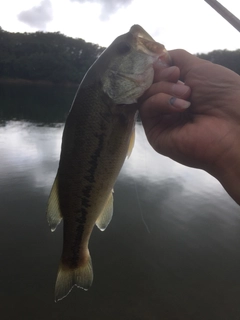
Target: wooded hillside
(45, 56)
(54, 57)
(226, 58)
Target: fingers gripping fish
(96, 140)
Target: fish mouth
(148, 45)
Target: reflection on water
(41, 104)
(29, 150)
(187, 267)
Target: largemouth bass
(98, 135)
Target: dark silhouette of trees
(45, 56)
(57, 58)
(226, 58)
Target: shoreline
(35, 82)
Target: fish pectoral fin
(131, 143)
(54, 216)
(105, 216)
(67, 278)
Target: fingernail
(180, 82)
(180, 89)
(179, 103)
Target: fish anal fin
(105, 216)
(54, 216)
(67, 278)
(131, 143)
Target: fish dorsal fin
(131, 143)
(54, 216)
(105, 216)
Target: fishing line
(140, 208)
(136, 191)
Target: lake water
(171, 251)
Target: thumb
(185, 61)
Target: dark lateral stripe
(80, 222)
(81, 216)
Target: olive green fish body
(99, 143)
(95, 143)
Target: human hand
(207, 134)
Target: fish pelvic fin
(67, 278)
(105, 216)
(54, 216)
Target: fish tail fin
(67, 278)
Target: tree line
(226, 58)
(46, 56)
(54, 57)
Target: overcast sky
(189, 24)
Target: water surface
(172, 250)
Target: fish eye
(123, 48)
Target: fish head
(129, 71)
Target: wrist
(227, 172)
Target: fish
(98, 135)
